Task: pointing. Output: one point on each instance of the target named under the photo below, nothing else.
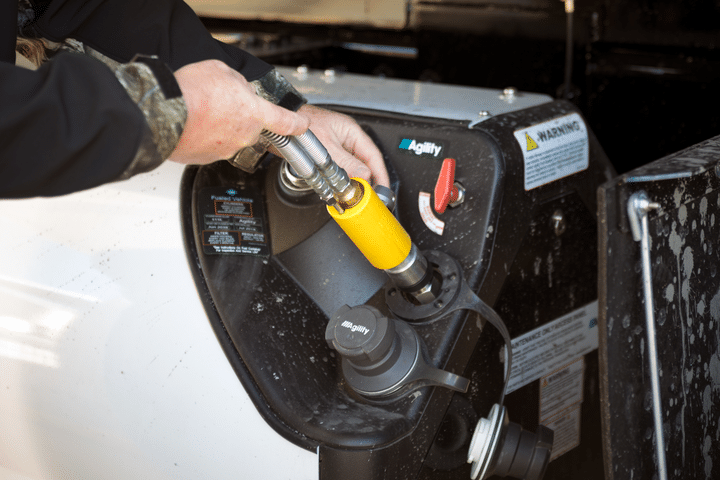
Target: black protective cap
(360, 334)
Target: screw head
(330, 75)
(558, 222)
(509, 94)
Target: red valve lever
(445, 190)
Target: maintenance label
(566, 428)
(554, 345)
(554, 149)
(233, 222)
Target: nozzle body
(361, 213)
(374, 230)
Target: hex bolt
(509, 94)
(558, 222)
(330, 75)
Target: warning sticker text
(562, 390)
(554, 149)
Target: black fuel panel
(529, 253)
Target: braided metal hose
(303, 165)
(336, 176)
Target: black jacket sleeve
(72, 125)
(67, 126)
(120, 29)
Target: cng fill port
(382, 356)
(386, 244)
(441, 289)
(500, 447)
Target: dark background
(644, 73)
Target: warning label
(566, 428)
(531, 145)
(561, 396)
(554, 149)
(562, 390)
(552, 346)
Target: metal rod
(638, 207)
(569, 37)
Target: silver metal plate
(467, 104)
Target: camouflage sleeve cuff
(152, 86)
(274, 88)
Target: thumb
(353, 166)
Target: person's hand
(225, 114)
(347, 144)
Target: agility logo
(355, 328)
(421, 148)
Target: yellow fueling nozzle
(374, 230)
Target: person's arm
(75, 124)
(225, 114)
(347, 143)
(169, 29)
(67, 126)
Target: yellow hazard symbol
(531, 145)
(545, 382)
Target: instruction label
(233, 222)
(554, 345)
(554, 149)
